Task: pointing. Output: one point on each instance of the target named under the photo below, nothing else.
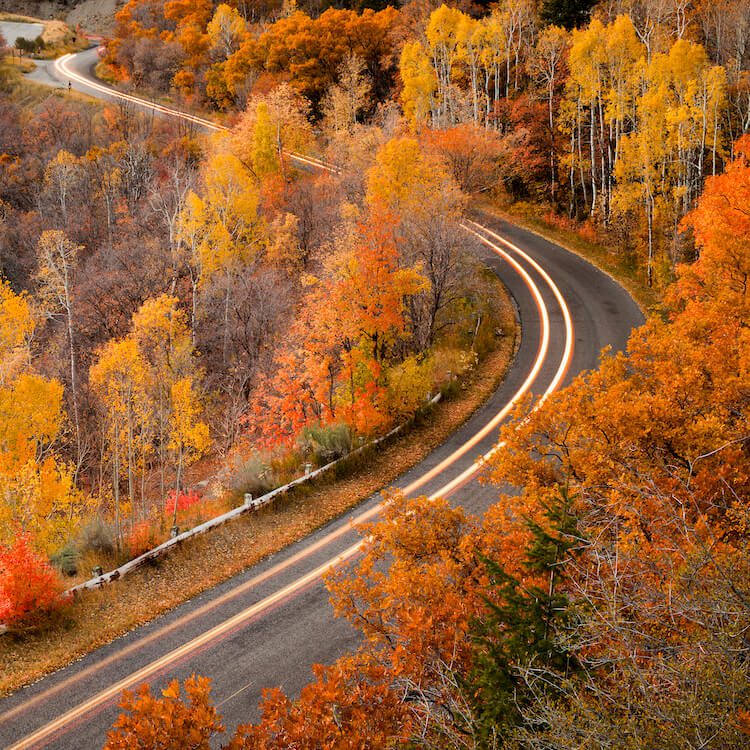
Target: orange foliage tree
(309, 52)
(166, 722)
(344, 341)
(345, 708)
(474, 155)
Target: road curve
(267, 626)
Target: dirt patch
(100, 616)
(95, 16)
(56, 32)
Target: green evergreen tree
(522, 626)
(567, 13)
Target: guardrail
(249, 506)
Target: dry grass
(98, 617)
(18, 18)
(22, 65)
(56, 33)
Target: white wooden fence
(249, 506)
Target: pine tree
(522, 625)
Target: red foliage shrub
(30, 589)
(184, 500)
(584, 229)
(142, 537)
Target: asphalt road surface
(267, 626)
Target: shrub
(141, 538)
(30, 589)
(409, 384)
(327, 443)
(249, 474)
(97, 537)
(66, 560)
(184, 501)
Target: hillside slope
(95, 16)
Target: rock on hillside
(95, 16)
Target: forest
(168, 300)
(182, 311)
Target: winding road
(267, 626)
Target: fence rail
(247, 507)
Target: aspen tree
(188, 436)
(57, 258)
(545, 65)
(37, 492)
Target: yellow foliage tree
(221, 230)
(188, 435)
(37, 493)
(226, 31)
(145, 386)
(265, 154)
(419, 84)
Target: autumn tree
(347, 98)
(310, 51)
(419, 84)
(546, 67)
(678, 140)
(188, 436)
(285, 120)
(343, 708)
(145, 387)
(345, 340)
(475, 157)
(60, 177)
(266, 153)
(487, 54)
(222, 229)
(38, 492)
(107, 171)
(57, 259)
(167, 722)
(226, 31)
(161, 335)
(416, 188)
